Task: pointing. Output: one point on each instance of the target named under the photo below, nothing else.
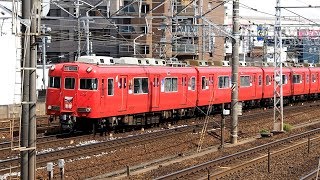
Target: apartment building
(184, 29)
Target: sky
(268, 6)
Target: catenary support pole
(78, 26)
(87, 33)
(26, 7)
(44, 56)
(35, 13)
(235, 67)
(278, 90)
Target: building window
(128, 8)
(55, 12)
(110, 87)
(224, 81)
(192, 83)
(125, 48)
(89, 84)
(54, 82)
(69, 83)
(268, 80)
(260, 80)
(144, 29)
(171, 85)
(140, 85)
(296, 79)
(145, 8)
(144, 49)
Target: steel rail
(222, 160)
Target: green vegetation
(264, 131)
(287, 127)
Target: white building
(10, 91)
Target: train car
(268, 82)
(215, 83)
(90, 94)
(99, 93)
(300, 82)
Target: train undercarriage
(71, 123)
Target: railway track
(6, 146)
(90, 149)
(75, 152)
(312, 175)
(200, 171)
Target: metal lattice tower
(278, 91)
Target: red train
(86, 94)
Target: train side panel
(300, 81)
(250, 83)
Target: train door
(317, 81)
(304, 82)
(253, 84)
(123, 92)
(211, 88)
(156, 91)
(68, 95)
(102, 95)
(184, 87)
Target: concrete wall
(11, 111)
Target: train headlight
(52, 67)
(49, 107)
(84, 110)
(89, 69)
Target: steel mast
(278, 91)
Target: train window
(296, 79)
(224, 82)
(284, 79)
(110, 87)
(140, 85)
(245, 81)
(203, 83)
(69, 83)
(124, 82)
(260, 80)
(54, 82)
(313, 78)
(268, 80)
(171, 84)
(89, 84)
(307, 78)
(192, 84)
(120, 83)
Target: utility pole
(78, 21)
(35, 20)
(235, 69)
(26, 14)
(44, 56)
(278, 93)
(87, 33)
(87, 29)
